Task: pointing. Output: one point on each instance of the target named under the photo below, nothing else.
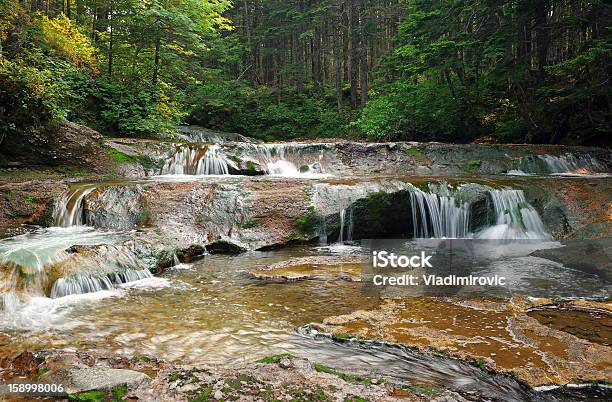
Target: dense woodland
(447, 70)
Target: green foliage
(234, 106)
(132, 110)
(26, 99)
(472, 165)
(455, 81)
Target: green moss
(421, 389)
(307, 223)
(11, 195)
(30, 199)
(42, 371)
(119, 393)
(413, 152)
(342, 337)
(165, 259)
(304, 168)
(355, 399)
(175, 377)
(274, 359)
(141, 358)
(88, 396)
(250, 165)
(205, 395)
(472, 165)
(480, 362)
(300, 394)
(121, 157)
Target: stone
(79, 379)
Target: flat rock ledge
(345, 267)
(496, 335)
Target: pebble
(285, 363)
(218, 394)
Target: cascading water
(69, 209)
(84, 283)
(349, 226)
(196, 161)
(286, 160)
(516, 217)
(290, 160)
(570, 163)
(212, 163)
(566, 164)
(439, 216)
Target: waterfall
(84, 283)
(212, 163)
(69, 209)
(79, 284)
(439, 216)
(516, 218)
(197, 161)
(568, 164)
(290, 160)
(349, 225)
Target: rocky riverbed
(186, 262)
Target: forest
(534, 71)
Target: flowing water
(69, 209)
(561, 165)
(213, 311)
(101, 296)
(286, 160)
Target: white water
(516, 218)
(563, 165)
(85, 283)
(349, 226)
(284, 160)
(29, 262)
(196, 161)
(212, 163)
(69, 209)
(439, 216)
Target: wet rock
(299, 379)
(115, 207)
(505, 340)
(224, 247)
(592, 256)
(81, 379)
(64, 143)
(319, 267)
(28, 203)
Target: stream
(100, 296)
